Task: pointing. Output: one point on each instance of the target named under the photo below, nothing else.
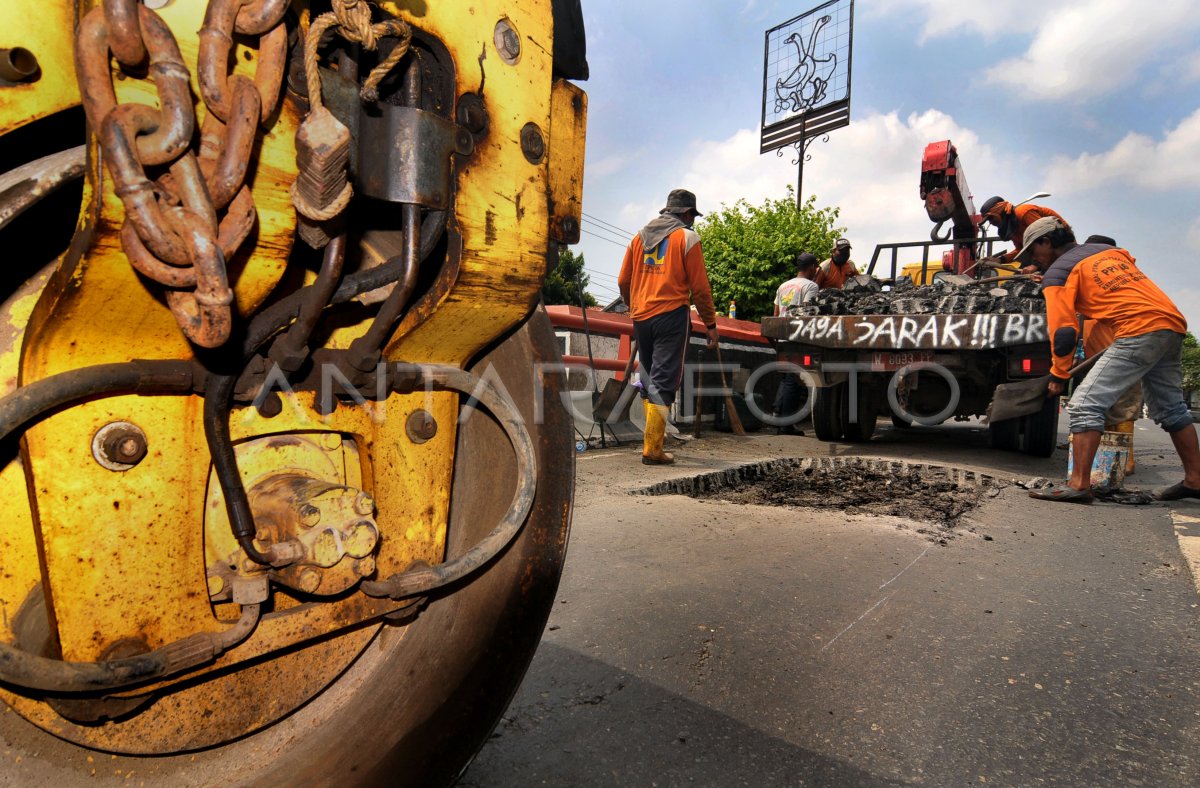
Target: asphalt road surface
(702, 642)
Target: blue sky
(1094, 101)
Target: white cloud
(870, 168)
(943, 17)
(1092, 48)
(1137, 161)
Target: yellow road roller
(287, 472)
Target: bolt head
(309, 515)
(310, 581)
(365, 567)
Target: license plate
(890, 362)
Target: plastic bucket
(1108, 469)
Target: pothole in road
(931, 494)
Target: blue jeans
(1154, 359)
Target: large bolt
(420, 427)
(119, 445)
(533, 145)
(508, 43)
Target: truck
(923, 354)
(283, 505)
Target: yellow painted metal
(501, 206)
(568, 123)
(45, 30)
(122, 548)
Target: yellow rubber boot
(656, 431)
(1127, 428)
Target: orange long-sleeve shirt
(669, 276)
(1023, 216)
(1103, 283)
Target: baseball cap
(842, 243)
(1035, 232)
(805, 259)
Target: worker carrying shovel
(1103, 282)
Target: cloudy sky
(1094, 101)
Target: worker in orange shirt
(1011, 221)
(662, 272)
(838, 268)
(1103, 282)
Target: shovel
(735, 421)
(1026, 397)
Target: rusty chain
(181, 227)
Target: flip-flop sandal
(1063, 494)
(1176, 492)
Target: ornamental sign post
(806, 81)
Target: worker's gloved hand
(712, 337)
(1056, 387)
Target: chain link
(182, 227)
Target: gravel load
(865, 296)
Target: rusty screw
(472, 113)
(508, 43)
(532, 143)
(421, 426)
(119, 445)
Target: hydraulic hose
(131, 377)
(219, 389)
(294, 344)
(33, 401)
(422, 580)
(30, 671)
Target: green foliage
(1191, 363)
(749, 249)
(562, 284)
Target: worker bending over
(1102, 282)
(1011, 222)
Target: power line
(593, 272)
(601, 221)
(622, 236)
(602, 237)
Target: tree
(749, 250)
(1191, 363)
(562, 284)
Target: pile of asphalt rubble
(864, 295)
(923, 494)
